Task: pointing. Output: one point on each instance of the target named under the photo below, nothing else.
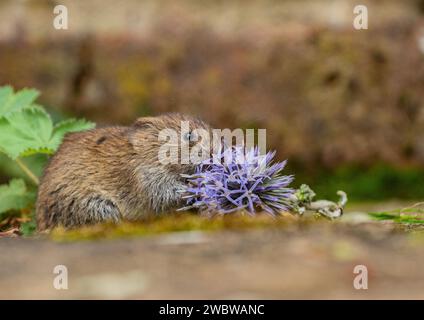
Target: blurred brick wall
(327, 94)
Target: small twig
(302, 200)
(29, 173)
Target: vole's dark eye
(190, 136)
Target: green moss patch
(174, 223)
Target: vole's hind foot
(74, 214)
(99, 209)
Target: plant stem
(29, 173)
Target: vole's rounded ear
(141, 130)
(144, 123)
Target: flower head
(237, 179)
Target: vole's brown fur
(111, 174)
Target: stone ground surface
(310, 262)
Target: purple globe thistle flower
(238, 180)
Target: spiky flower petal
(238, 180)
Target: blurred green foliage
(27, 137)
(15, 196)
(374, 183)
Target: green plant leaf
(33, 122)
(396, 217)
(6, 93)
(15, 196)
(28, 228)
(383, 215)
(31, 131)
(10, 102)
(26, 132)
(70, 125)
